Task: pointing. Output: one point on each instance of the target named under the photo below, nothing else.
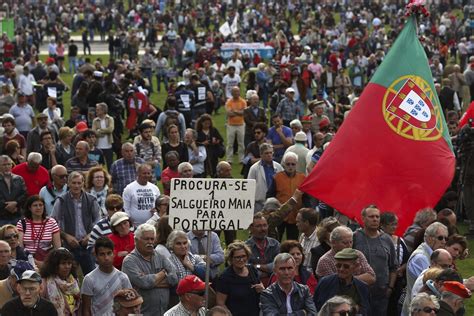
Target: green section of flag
(407, 57)
(7, 26)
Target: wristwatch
(258, 266)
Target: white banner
(211, 204)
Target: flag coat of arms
(394, 149)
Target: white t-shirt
(101, 287)
(138, 200)
(237, 65)
(230, 83)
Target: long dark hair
(53, 259)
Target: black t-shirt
(72, 52)
(15, 307)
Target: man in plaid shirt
(124, 170)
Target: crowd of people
(85, 190)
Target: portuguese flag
(393, 150)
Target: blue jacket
(328, 287)
(273, 301)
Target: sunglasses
(115, 207)
(8, 237)
(428, 310)
(343, 265)
(290, 164)
(344, 313)
(200, 293)
(441, 238)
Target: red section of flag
(369, 163)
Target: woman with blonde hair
(98, 184)
(64, 148)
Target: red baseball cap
(49, 60)
(81, 127)
(457, 288)
(306, 119)
(190, 283)
(323, 123)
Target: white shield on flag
(414, 105)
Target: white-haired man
(35, 175)
(435, 237)
(150, 274)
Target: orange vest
(285, 187)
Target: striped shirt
(308, 243)
(74, 164)
(38, 235)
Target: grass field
(466, 267)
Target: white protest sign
(211, 204)
(225, 29)
(52, 92)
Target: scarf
(101, 196)
(64, 294)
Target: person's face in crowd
(453, 128)
(132, 310)
(29, 292)
(50, 103)
(76, 184)
(235, 92)
(390, 228)
(225, 171)
(6, 167)
(371, 218)
(114, 208)
(452, 219)
(172, 161)
(345, 241)
(239, 259)
(345, 268)
(146, 134)
(186, 172)
(267, 155)
(91, 140)
(297, 255)
(428, 308)
(11, 237)
(277, 122)
(285, 272)
(319, 110)
(456, 250)
(33, 166)
(343, 309)
(42, 122)
(318, 140)
(306, 126)
(163, 208)
(188, 138)
(60, 177)
(181, 246)
(104, 257)
(259, 134)
(99, 111)
(37, 208)
(254, 100)
(128, 153)
(295, 129)
(290, 95)
(98, 179)
(64, 269)
(290, 165)
(81, 150)
(144, 175)
(21, 100)
(206, 124)
(146, 243)
(231, 72)
(122, 228)
(47, 141)
(439, 240)
(259, 228)
(173, 134)
(9, 127)
(301, 224)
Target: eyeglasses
(115, 207)
(344, 313)
(61, 176)
(8, 237)
(428, 310)
(343, 265)
(441, 238)
(239, 258)
(99, 177)
(200, 293)
(257, 132)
